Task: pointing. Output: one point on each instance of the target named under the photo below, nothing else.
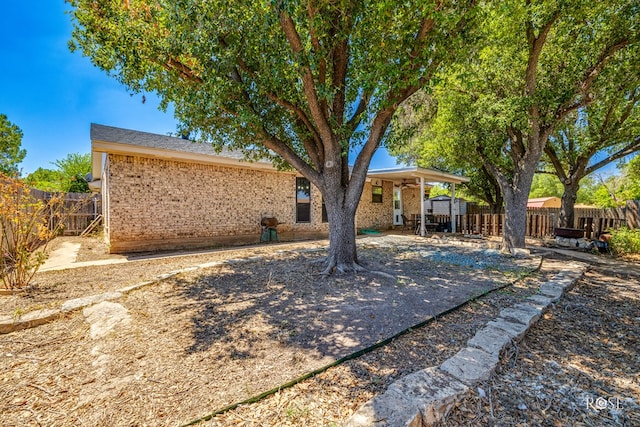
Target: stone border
(425, 397)
(39, 317)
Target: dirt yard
(184, 347)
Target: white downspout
(453, 207)
(422, 226)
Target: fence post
(632, 213)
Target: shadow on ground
(292, 304)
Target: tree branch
(588, 79)
(632, 147)
(339, 79)
(355, 119)
(555, 161)
(287, 153)
(174, 65)
(308, 83)
(300, 114)
(535, 49)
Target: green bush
(625, 241)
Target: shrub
(625, 241)
(27, 225)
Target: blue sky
(54, 95)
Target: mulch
(206, 339)
(578, 366)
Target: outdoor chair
(407, 224)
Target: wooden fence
(542, 221)
(84, 208)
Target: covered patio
(414, 176)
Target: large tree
(73, 170)
(603, 132)
(414, 139)
(10, 152)
(68, 177)
(536, 63)
(301, 82)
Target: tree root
(321, 260)
(383, 274)
(342, 268)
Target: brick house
(162, 192)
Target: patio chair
(407, 224)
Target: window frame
(375, 196)
(303, 184)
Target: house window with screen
(303, 200)
(376, 193)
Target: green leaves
(275, 72)
(10, 152)
(69, 177)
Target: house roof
(110, 134)
(109, 139)
(413, 172)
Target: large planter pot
(572, 233)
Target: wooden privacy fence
(542, 221)
(84, 208)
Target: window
(325, 217)
(303, 200)
(376, 193)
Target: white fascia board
(135, 150)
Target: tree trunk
(515, 192)
(498, 204)
(515, 218)
(567, 212)
(342, 257)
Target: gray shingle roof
(145, 139)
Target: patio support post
(422, 226)
(453, 207)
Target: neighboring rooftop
(544, 202)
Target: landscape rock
(490, 339)
(522, 313)
(552, 289)
(432, 391)
(104, 317)
(28, 320)
(74, 304)
(470, 365)
(514, 329)
(389, 409)
(541, 301)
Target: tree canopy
(602, 132)
(301, 82)
(68, 177)
(11, 153)
(535, 63)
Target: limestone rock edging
(38, 317)
(425, 397)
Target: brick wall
(411, 201)
(154, 204)
(376, 215)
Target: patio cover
(399, 175)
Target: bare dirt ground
(189, 345)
